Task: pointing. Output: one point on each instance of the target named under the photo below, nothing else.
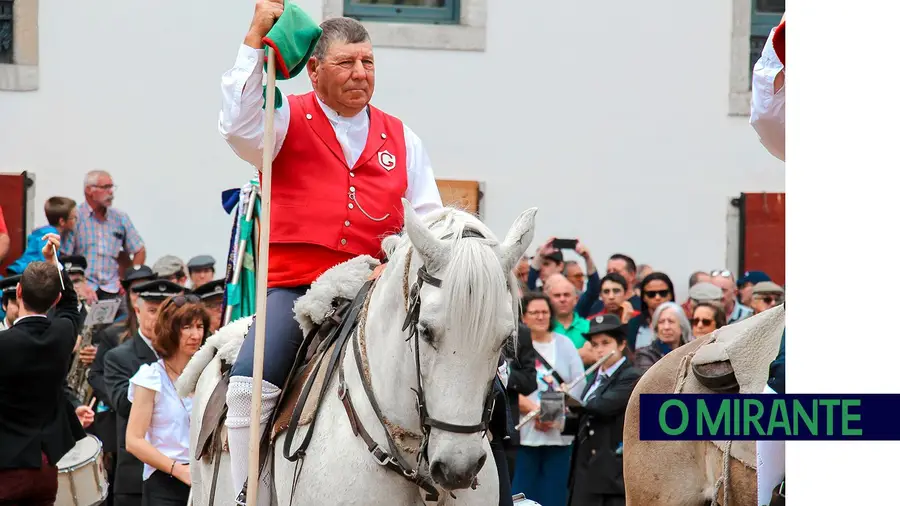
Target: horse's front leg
(487, 492)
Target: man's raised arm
(241, 120)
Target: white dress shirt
(603, 375)
(767, 108)
(242, 118)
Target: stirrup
(241, 499)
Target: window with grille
(409, 11)
(6, 31)
(766, 14)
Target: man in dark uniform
(596, 473)
(120, 364)
(8, 301)
(108, 339)
(212, 294)
(201, 270)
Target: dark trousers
(161, 489)
(283, 338)
(542, 474)
(32, 487)
(128, 499)
(502, 473)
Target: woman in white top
(544, 454)
(158, 432)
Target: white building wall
(611, 117)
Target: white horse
(461, 275)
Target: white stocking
(769, 465)
(239, 399)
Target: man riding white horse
(340, 170)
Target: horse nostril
(439, 472)
(481, 462)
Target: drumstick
(56, 261)
(91, 405)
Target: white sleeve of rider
(421, 188)
(767, 106)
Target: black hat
(604, 323)
(157, 289)
(8, 287)
(74, 264)
(137, 273)
(201, 262)
(211, 289)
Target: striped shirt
(740, 312)
(100, 240)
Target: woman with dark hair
(544, 453)
(706, 318)
(655, 289)
(597, 464)
(158, 432)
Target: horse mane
(473, 277)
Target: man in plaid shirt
(100, 234)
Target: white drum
(82, 478)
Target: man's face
(345, 79)
(147, 312)
(613, 296)
(617, 265)
(728, 291)
(562, 295)
(214, 307)
(763, 302)
(202, 276)
(575, 275)
(746, 293)
(12, 310)
(101, 193)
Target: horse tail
(224, 345)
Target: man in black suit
(8, 301)
(38, 425)
(120, 364)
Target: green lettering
(812, 424)
(829, 414)
(846, 417)
(704, 419)
(779, 418)
(737, 417)
(662, 417)
(752, 418)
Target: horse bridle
(392, 458)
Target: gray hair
(93, 176)
(686, 331)
(342, 30)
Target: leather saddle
(717, 376)
(312, 350)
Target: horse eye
(426, 333)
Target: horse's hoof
(717, 376)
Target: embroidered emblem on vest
(387, 160)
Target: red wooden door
(762, 234)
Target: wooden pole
(262, 275)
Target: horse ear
(517, 239)
(425, 243)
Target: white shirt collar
(361, 118)
(609, 372)
(29, 316)
(148, 343)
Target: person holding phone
(549, 260)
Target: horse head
(447, 306)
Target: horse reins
(392, 458)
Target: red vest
(320, 205)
